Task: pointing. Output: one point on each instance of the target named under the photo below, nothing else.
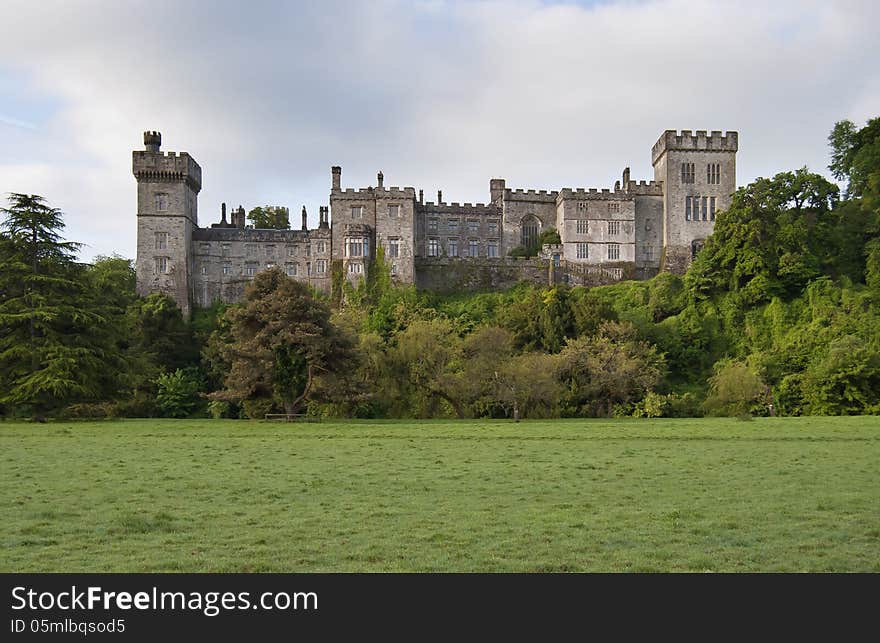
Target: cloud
(443, 95)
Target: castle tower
(167, 211)
(698, 172)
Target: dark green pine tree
(48, 356)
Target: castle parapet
(472, 209)
(156, 166)
(698, 141)
(535, 196)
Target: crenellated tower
(167, 212)
(698, 171)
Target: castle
(629, 232)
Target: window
(583, 250)
(713, 173)
(290, 269)
(270, 251)
(308, 250)
(394, 269)
(355, 268)
(452, 224)
(705, 208)
(582, 206)
(322, 247)
(227, 269)
(473, 248)
(687, 208)
(224, 249)
(530, 227)
(492, 249)
(492, 227)
(613, 228)
(321, 266)
(432, 225)
(250, 250)
(357, 212)
(687, 172)
(393, 248)
(433, 248)
(250, 269)
(393, 211)
(161, 202)
(613, 251)
(473, 226)
(291, 251)
(452, 247)
(204, 270)
(357, 248)
(648, 253)
(692, 204)
(308, 267)
(161, 265)
(614, 207)
(583, 226)
(161, 240)
(711, 208)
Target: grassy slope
(792, 494)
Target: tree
(846, 381)
(282, 339)
(50, 351)
(275, 217)
(612, 367)
(771, 241)
(178, 392)
(735, 390)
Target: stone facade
(629, 232)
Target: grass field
(783, 494)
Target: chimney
(439, 197)
(337, 177)
(626, 179)
(380, 179)
(305, 224)
(223, 214)
(421, 197)
(617, 186)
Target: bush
(178, 392)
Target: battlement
(393, 192)
(170, 167)
(645, 188)
(541, 196)
(465, 209)
(698, 141)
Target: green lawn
(784, 494)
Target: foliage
(53, 348)
(612, 367)
(178, 392)
(281, 339)
(735, 390)
(273, 217)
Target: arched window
(531, 227)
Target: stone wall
(444, 274)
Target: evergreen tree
(48, 353)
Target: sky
(267, 96)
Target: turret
(496, 189)
(336, 172)
(167, 212)
(152, 141)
